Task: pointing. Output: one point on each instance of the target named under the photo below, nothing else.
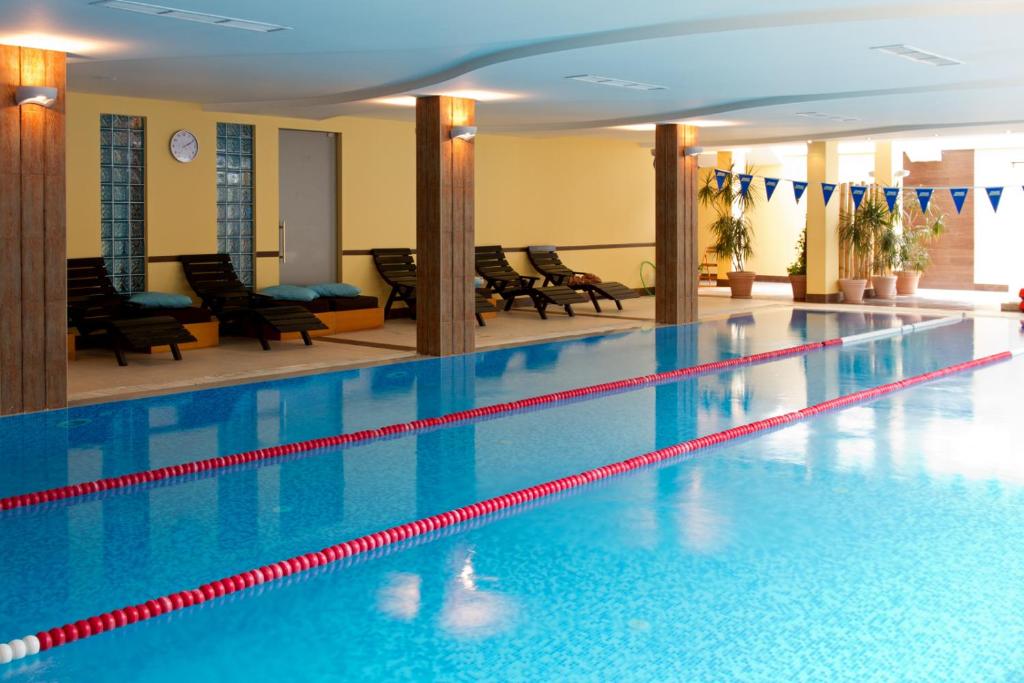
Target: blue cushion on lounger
(160, 300)
(335, 289)
(289, 293)
(478, 282)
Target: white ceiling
(755, 64)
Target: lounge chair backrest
(211, 274)
(546, 262)
(92, 299)
(492, 265)
(88, 278)
(396, 266)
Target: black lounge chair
(239, 309)
(398, 270)
(545, 260)
(99, 312)
(508, 284)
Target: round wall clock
(184, 146)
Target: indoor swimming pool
(881, 541)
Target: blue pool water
(882, 542)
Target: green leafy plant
(920, 229)
(870, 232)
(732, 228)
(799, 266)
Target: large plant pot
(853, 290)
(741, 283)
(885, 286)
(799, 284)
(907, 281)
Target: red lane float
(273, 452)
(84, 628)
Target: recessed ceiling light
(616, 82)
(709, 123)
(480, 95)
(189, 15)
(399, 101)
(637, 127)
(48, 41)
(917, 55)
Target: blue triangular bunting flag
(891, 195)
(745, 179)
(994, 195)
(798, 189)
(826, 191)
(959, 195)
(924, 197)
(857, 192)
(769, 187)
(720, 177)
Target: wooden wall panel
(675, 234)
(445, 322)
(33, 292)
(952, 255)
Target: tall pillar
(445, 304)
(822, 224)
(33, 270)
(675, 225)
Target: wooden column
(445, 307)
(33, 270)
(675, 218)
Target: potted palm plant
(858, 231)
(885, 259)
(919, 229)
(732, 230)
(798, 269)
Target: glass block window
(123, 200)
(234, 197)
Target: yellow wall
(777, 226)
(563, 190)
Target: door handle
(282, 229)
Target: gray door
(309, 207)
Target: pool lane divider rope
(91, 626)
(273, 452)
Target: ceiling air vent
(616, 82)
(917, 55)
(826, 117)
(190, 15)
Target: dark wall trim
(823, 298)
(570, 247)
(268, 254)
(174, 259)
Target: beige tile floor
(96, 377)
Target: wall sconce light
(463, 132)
(35, 94)
(692, 151)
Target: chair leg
(593, 299)
(569, 311)
(305, 338)
(618, 304)
(388, 304)
(262, 337)
(509, 302)
(541, 308)
(175, 352)
(119, 354)
(480, 320)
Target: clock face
(184, 146)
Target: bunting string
(924, 194)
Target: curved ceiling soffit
(761, 102)
(638, 34)
(862, 133)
